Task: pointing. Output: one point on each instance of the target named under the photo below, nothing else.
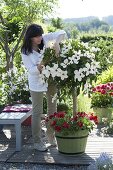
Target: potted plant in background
(71, 132)
(102, 101)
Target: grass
(84, 103)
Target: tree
(23, 12)
(57, 23)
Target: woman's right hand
(40, 67)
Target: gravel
(27, 166)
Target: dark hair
(33, 30)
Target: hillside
(80, 20)
(107, 19)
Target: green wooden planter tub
(72, 144)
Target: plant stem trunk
(74, 96)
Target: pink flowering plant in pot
(102, 95)
(104, 88)
(102, 101)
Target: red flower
(53, 123)
(74, 118)
(55, 114)
(111, 87)
(58, 128)
(60, 114)
(80, 124)
(103, 86)
(94, 118)
(103, 91)
(94, 89)
(51, 116)
(98, 87)
(65, 125)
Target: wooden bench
(15, 118)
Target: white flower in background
(64, 50)
(63, 65)
(89, 55)
(66, 61)
(46, 72)
(93, 69)
(59, 72)
(62, 55)
(71, 61)
(87, 69)
(94, 49)
(64, 75)
(15, 70)
(79, 53)
(55, 66)
(78, 75)
(53, 72)
(85, 44)
(26, 88)
(3, 76)
(75, 61)
(69, 46)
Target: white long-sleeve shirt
(30, 61)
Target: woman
(32, 54)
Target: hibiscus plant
(75, 64)
(72, 68)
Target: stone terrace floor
(95, 145)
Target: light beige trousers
(37, 110)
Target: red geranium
(63, 123)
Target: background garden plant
(103, 162)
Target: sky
(79, 8)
